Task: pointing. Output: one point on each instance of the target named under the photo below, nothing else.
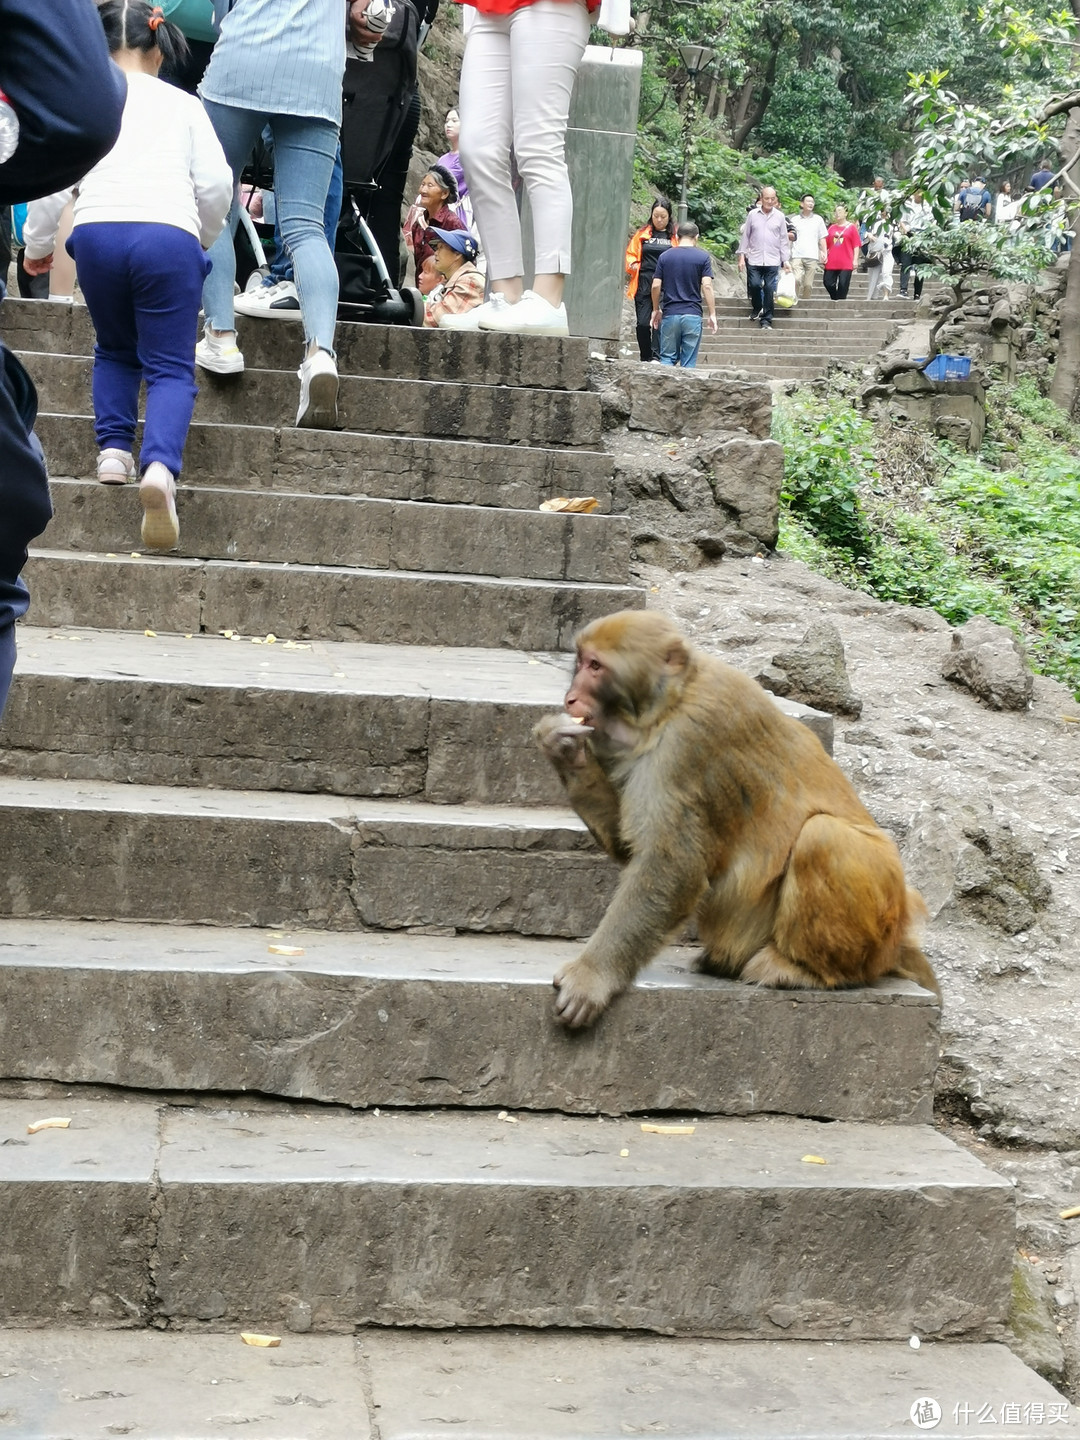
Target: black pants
(648, 339)
(837, 283)
(382, 207)
(906, 262)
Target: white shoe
(270, 302)
(532, 315)
(471, 319)
(318, 392)
(157, 495)
(219, 354)
(115, 467)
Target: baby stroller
(378, 103)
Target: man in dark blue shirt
(1042, 176)
(682, 280)
(68, 99)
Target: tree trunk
(1066, 382)
(753, 116)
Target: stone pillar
(600, 157)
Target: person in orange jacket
(645, 248)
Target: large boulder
(815, 672)
(988, 660)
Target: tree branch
(1059, 106)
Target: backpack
(973, 203)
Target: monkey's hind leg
(769, 967)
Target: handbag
(786, 296)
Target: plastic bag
(786, 297)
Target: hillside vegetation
(894, 512)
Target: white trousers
(516, 81)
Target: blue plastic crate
(946, 367)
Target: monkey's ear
(677, 657)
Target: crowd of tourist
(800, 245)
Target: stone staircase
(285, 883)
(805, 340)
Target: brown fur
(718, 805)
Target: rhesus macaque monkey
(718, 805)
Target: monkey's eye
(595, 665)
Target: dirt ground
(985, 806)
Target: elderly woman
(438, 192)
(462, 286)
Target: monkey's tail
(912, 964)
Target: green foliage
(724, 184)
(996, 534)
(808, 114)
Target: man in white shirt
(808, 252)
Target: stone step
(765, 373)
(447, 725)
(194, 856)
(833, 309)
(275, 526)
(768, 358)
(324, 462)
(430, 409)
(791, 347)
(305, 602)
(410, 1020)
(390, 351)
(238, 1218)
(543, 1385)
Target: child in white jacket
(144, 218)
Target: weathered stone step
(755, 343)
(764, 372)
(447, 725)
(839, 309)
(190, 856)
(390, 351)
(425, 408)
(304, 602)
(326, 462)
(411, 1020)
(448, 1218)
(223, 524)
(416, 1385)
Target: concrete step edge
(416, 1020)
(609, 1226)
(513, 1385)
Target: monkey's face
(584, 699)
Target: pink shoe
(157, 494)
(115, 467)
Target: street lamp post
(695, 59)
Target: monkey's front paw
(562, 739)
(581, 995)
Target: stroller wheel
(414, 298)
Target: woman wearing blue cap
(462, 285)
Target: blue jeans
(142, 284)
(680, 337)
(761, 287)
(304, 150)
(281, 267)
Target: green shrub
(962, 536)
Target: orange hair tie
(157, 17)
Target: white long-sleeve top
(167, 167)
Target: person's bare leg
(550, 288)
(511, 289)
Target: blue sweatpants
(142, 284)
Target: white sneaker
(219, 354)
(471, 319)
(318, 392)
(270, 302)
(115, 467)
(157, 495)
(532, 315)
